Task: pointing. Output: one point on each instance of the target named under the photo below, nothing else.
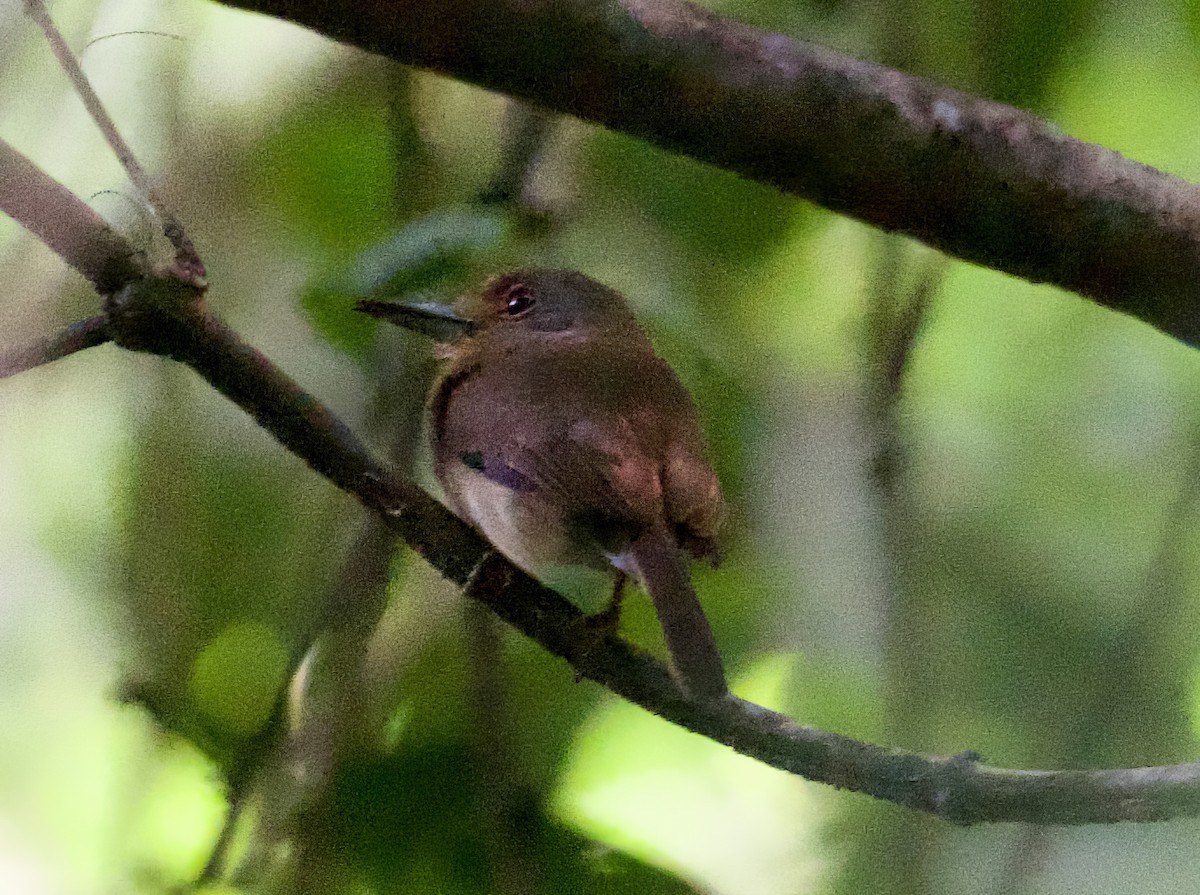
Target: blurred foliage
(996, 554)
(435, 252)
(383, 835)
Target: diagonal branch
(65, 223)
(186, 257)
(979, 180)
(168, 317)
(164, 313)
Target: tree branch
(163, 312)
(65, 223)
(84, 334)
(168, 318)
(186, 257)
(979, 180)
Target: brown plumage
(561, 434)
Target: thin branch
(1124, 696)
(84, 334)
(506, 800)
(894, 322)
(900, 324)
(239, 786)
(186, 256)
(139, 33)
(979, 180)
(902, 291)
(293, 760)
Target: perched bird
(560, 433)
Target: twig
(1123, 695)
(76, 337)
(505, 797)
(139, 33)
(901, 323)
(186, 256)
(239, 784)
(527, 129)
(895, 319)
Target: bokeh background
(963, 507)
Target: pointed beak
(427, 318)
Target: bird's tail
(663, 569)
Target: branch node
(155, 314)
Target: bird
(561, 434)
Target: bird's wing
(599, 448)
(604, 493)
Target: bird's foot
(592, 630)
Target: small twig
(894, 323)
(84, 334)
(95, 40)
(906, 319)
(186, 256)
(1122, 695)
(239, 782)
(894, 320)
(505, 797)
(331, 649)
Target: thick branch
(982, 181)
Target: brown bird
(560, 433)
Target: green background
(1001, 556)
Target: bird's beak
(431, 319)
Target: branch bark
(76, 337)
(65, 223)
(978, 180)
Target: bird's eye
(518, 300)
